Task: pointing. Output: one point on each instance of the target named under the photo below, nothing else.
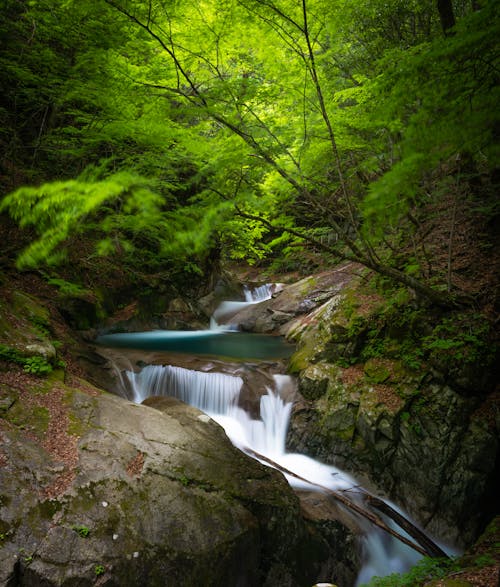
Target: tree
(311, 123)
(446, 14)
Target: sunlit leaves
(250, 117)
(122, 202)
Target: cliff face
(392, 393)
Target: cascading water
(217, 395)
(227, 309)
(259, 293)
(212, 393)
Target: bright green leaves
(260, 124)
(121, 204)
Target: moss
(76, 426)
(299, 361)
(376, 371)
(48, 508)
(307, 285)
(34, 418)
(5, 529)
(26, 305)
(56, 376)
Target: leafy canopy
(258, 125)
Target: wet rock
(279, 315)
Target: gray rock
(159, 497)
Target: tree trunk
(445, 9)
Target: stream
(218, 394)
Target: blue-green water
(238, 345)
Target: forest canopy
(183, 132)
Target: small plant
(10, 354)
(484, 560)
(68, 288)
(60, 364)
(99, 570)
(41, 324)
(82, 531)
(37, 366)
(423, 572)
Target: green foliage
(67, 288)
(10, 354)
(234, 131)
(62, 209)
(454, 117)
(41, 324)
(37, 366)
(461, 339)
(99, 570)
(484, 560)
(400, 330)
(426, 570)
(81, 530)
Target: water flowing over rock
(157, 493)
(429, 439)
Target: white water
(213, 393)
(260, 293)
(226, 310)
(217, 395)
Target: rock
(25, 326)
(314, 380)
(45, 350)
(431, 447)
(278, 315)
(340, 533)
(159, 496)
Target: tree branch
(425, 546)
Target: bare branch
(426, 546)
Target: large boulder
(108, 492)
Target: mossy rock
(25, 328)
(165, 497)
(315, 380)
(376, 371)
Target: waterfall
(212, 393)
(227, 309)
(217, 395)
(260, 293)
